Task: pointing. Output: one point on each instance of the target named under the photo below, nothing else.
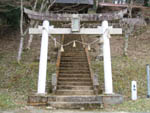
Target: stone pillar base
(112, 99)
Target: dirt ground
(33, 110)
(40, 110)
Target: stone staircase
(74, 74)
(74, 83)
(74, 87)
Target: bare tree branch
(35, 5)
(66, 8)
(51, 5)
(35, 24)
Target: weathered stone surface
(75, 105)
(75, 101)
(67, 17)
(66, 101)
(112, 99)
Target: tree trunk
(130, 9)
(21, 33)
(126, 44)
(20, 48)
(35, 24)
(31, 37)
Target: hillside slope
(18, 80)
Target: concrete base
(67, 102)
(112, 99)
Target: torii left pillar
(43, 59)
(107, 60)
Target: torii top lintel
(67, 17)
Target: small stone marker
(134, 90)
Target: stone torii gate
(103, 30)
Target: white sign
(75, 27)
(134, 90)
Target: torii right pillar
(110, 97)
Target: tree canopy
(10, 11)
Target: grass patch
(19, 79)
(141, 105)
(124, 70)
(6, 101)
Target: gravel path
(55, 111)
(48, 111)
(39, 110)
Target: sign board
(134, 90)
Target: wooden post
(107, 60)
(43, 59)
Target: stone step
(76, 83)
(69, 58)
(74, 75)
(74, 92)
(75, 63)
(71, 100)
(74, 51)
(73, 71)
(73, 54)
(74, 60)
(88, 79)
(72, 68)
(70, 51)
(75, 105)
(66, 76)
(69, 87)
(78, 98)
